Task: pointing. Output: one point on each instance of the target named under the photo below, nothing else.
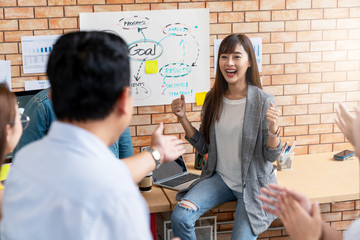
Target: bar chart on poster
(168, 49)
(35, 52)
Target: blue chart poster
(169, 51)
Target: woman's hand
(178, 106)
(272, 116)
(344, 119)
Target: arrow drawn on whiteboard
(137, 78)
(140, 30)
(198, 52)
(183, 45)
(171, 34)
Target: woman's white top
(354, 231)
(228, 132)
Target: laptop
(174, 175)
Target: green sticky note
(151, 67)
(4, 171)
(200, 98)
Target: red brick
(156, 109)
(347, 45)
(354, 55)
(48, 12)
(287, 121)
(7, 48)
(224, 28)
(296, 89)
(320, 108)
(322, 46)
(15, 36)
(350, 215)
(323, 24)
(335, 34)
(231, 17)
(6, 25)
(309, 78)
(334, 55)
(333, 97)
(332, 138)
(284, 15)
(33, 24)
(346, 86)
(257, 16)
(17, 13)
(294, 110)
(140, 120)
(163, 6)
(275, 90)
(310, 14)
(141, 141)
(324, 3)
(320, 128)
(271, 26)
(320, 148)
(145, 130)
(119, 1)
(273, 48)
(343, 225)
(283, 79)
(73, 11)
(322, 67)
(308, 57)
(47, 32)
(137, 7)
(297, 68)
(107, 8)
(298, 4)
(61, 2)
(297, 47)
(245, 5)
(308, 98)
(283, 37)
(347, 65)
(309, 36)
(265, 36)
(321, 87)
(84, 2)
(285, 100)
(7, 3)
(327, 118)
(297, 25)
(61, 23)
(173, 128)
(272, 5)
(273, 69)
(164, 118)
(336, 13)
(331, 217)
(219, 6)
(16, 59)
(348, 3)
(308, 139)
(283, 58)
(31, 2)
(245, 27)
(354, 12)
(295, 130)
(191, 5)
(353, 75)
(334, 76)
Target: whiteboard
(169, 51)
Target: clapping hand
(272, 116)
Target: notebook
(174, 175)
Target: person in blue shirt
(68, 184)
(41, 112)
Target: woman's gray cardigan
(257, 158)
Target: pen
(285, 146)
(292, 147)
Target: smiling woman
(238, 131)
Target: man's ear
(123, 101)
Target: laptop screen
(170, 169)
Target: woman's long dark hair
(213, 101)
(7, 116)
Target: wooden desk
(318, 176)
(156, 200)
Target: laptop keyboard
(180, 180)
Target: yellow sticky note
(200, 98)
(4, 171)
(151, 67)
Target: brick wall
(311, 56)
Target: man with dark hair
(68, 185)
